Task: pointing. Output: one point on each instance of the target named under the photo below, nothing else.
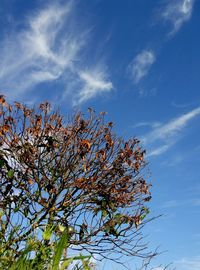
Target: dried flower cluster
(76, 175)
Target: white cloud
(172, 128)
(146, 124)
(38, 53)
(192, 263)
(178, 203)
(168, 133)
(141, 64)
(178, 12)
(173, 203)
(95, 82)
(159, 150)
(46, 50)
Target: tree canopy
(75, 175)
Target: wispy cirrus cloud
(146, 124)
(179, 203)
(48, 48)
(177, 12)
(191, 263)
(94, 82)
(141, 64)
(37, 53)
(166, 135)
(159, 150)
(172, 128)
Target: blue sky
(139, 60)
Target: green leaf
(10, 174)
(47, 233)
(61, 228)
(26, 211)
(1, 214)
(85, 263)
(104, 213)
(118, 217)
(66, 263)
(16, 209)
(81, 258)
(62, 244)
(111, 205)
(146, 210)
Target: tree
(75, 176)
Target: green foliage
(10, 174)
(37, 256)
(48, 233)
(62, 244)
